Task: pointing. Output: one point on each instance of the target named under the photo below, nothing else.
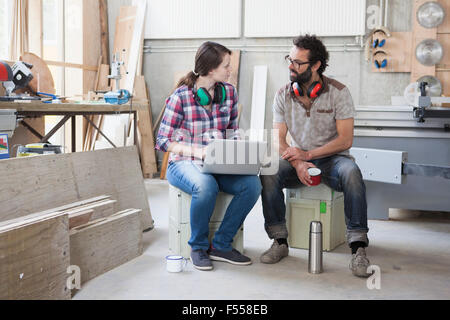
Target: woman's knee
(253, 186)
(205, 185)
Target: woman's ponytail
(188, 80)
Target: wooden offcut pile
(81, 209)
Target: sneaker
(200, 260)
(360, 263)
(233, 257)
(275, 253)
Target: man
(318, 113)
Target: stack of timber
(36, 250)
(32, 184)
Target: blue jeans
(204, 189)
(338, 172)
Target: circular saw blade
(430, 14)
(434, 87)
(429, 52)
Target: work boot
(275, 253)
(360, 263)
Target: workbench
(394, 128)
(36, 108)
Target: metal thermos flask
(315, 247)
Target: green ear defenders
(203, 97)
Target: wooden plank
(79, 218)
(258, 103)
(147, 146)
(164, 165)
(100, 209)
(235, 60)
(103, 81)
(158, 121)
(37, 183)
(127, 42)
(104, 34)
(135, 45)
(125, 24)
(91, 42)
(81, 211)
(35, 33)
(78, 204)
(91, 56)
(34, 258)
(96, 134)
(88, 130)
(240, 107)
(105, 244)
(72, 107)
(71, 65)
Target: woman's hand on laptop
(199, 153)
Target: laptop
(241, 157)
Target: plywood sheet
(34, 257)
(106, 243)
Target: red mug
(316, 176)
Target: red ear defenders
(313, 91)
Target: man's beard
(303, 77)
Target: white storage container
(318, 203)
(179, 221)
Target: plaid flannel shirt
(185, 121)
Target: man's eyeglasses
(296, 63)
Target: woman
(204, 107)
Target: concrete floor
(412, 251)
